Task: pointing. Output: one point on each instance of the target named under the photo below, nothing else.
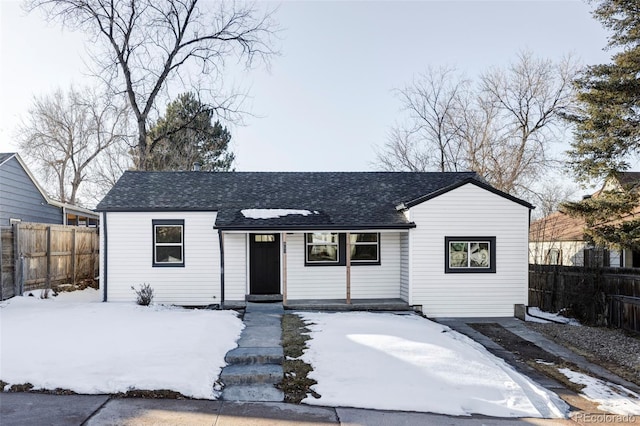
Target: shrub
(144, 293)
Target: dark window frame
(167, 222)
(471, 270)
(342, 251)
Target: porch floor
(342, 305)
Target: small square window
(470, 254)
(168, 242)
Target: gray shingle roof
(341, 199)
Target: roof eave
(460, 183)
(325, 227)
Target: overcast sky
(327, 100)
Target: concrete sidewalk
(101, 410)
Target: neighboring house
(22, 199)
(446, 243)
(558, 239)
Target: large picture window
(322, 247)
(168, 243)
(470, 254)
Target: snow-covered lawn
(70, 343)
(406, 362)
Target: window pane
(322, 253)
(168, 234)
(168, 254)
(479, 255)
(457, 255)
(265, 238)
(364, 238)
(321, 237)
(364, 252)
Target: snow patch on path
(547, 317)
(612, 398)
(406, 362)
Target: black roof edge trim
(473, 181)
(312, 227)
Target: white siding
(379, 281)
(312, 282)
(469, 211)
(330, 282)
(404, 267)
(572, 252)
(235, 267)
(130, 248)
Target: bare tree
(502, 129)
(429, 140)
(143, 45)
(64, 134)
(530, 96)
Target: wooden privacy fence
(36, 256)
(596, 296)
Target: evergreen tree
(186, 135)
(607, 128)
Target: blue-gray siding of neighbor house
(20, 198)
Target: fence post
(48, 278)
(17, 259)
(73, 256)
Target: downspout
(221, 241)
(105, 256)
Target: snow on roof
(273, 213)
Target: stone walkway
(255, 366)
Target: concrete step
(262, 393)
(255, 356)
(251, 374)
(260, 337)
(270, 308)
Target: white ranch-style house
(447, 244)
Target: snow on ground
(66, 342)
(406, 362)
(273, 213)
(546, 317)
(612, 398)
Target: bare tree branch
(144, 45)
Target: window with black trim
(168, 243)
(329, 249)
(322, 247)
(470, 254)
(365, 247)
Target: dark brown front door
(264, 258)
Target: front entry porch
(342, 305)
